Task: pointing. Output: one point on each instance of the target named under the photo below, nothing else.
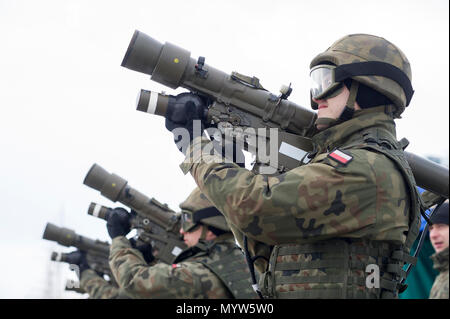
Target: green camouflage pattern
(97, 287)
(226, 260)
(334, 268)
(197, 201)
(439, 290)
(430, 199)
(367, 198)
(187, 279)
(362, 48)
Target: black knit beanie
(440, 215)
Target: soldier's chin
(438, 247)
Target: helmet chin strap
(348, 111)
(204, 231)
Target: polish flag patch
(340, 157)
(175, 266)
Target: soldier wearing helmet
(373, 71)
(212, 267)
(342, 225)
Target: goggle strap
(205, 213)
(375, 68)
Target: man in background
(439, 240)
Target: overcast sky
(66, 103)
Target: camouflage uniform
(367, 198)
(97, 287)
(319, 225)
(209, 270)
(188, 278)
(440, 285)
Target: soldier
(212, 267)
(439, 240)
(91, 282)
(353, 208)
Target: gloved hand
(78, 258)
(184, 113)
(118, 223)
(145, 249)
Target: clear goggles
(187, 223)
(322, 81)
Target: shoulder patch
(340, 157)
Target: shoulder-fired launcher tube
(70, 287)
(172, 66)
(429, 175)
(68, 237)
(62, 257)
(116, 188)
(99, 211)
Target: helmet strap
(349, 109)
(390, 110)
(204, 231)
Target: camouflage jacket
(365, 198)
(97, 287)
(187, 279)
(440, 285)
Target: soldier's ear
(210, 235)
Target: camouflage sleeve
(97, 287)
(311, 202)
(138, 280)
(430, 199)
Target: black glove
(118, 223)
(182, 111)
(78, 258)
(145, 249)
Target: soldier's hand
(182, 114)
(185, 107)
(145, 249)
(118, 223)
(78, 258)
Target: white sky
(66, 102)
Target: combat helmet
(374, 62)
(197, 209)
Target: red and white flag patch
(340, 157)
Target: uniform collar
(344, 133)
